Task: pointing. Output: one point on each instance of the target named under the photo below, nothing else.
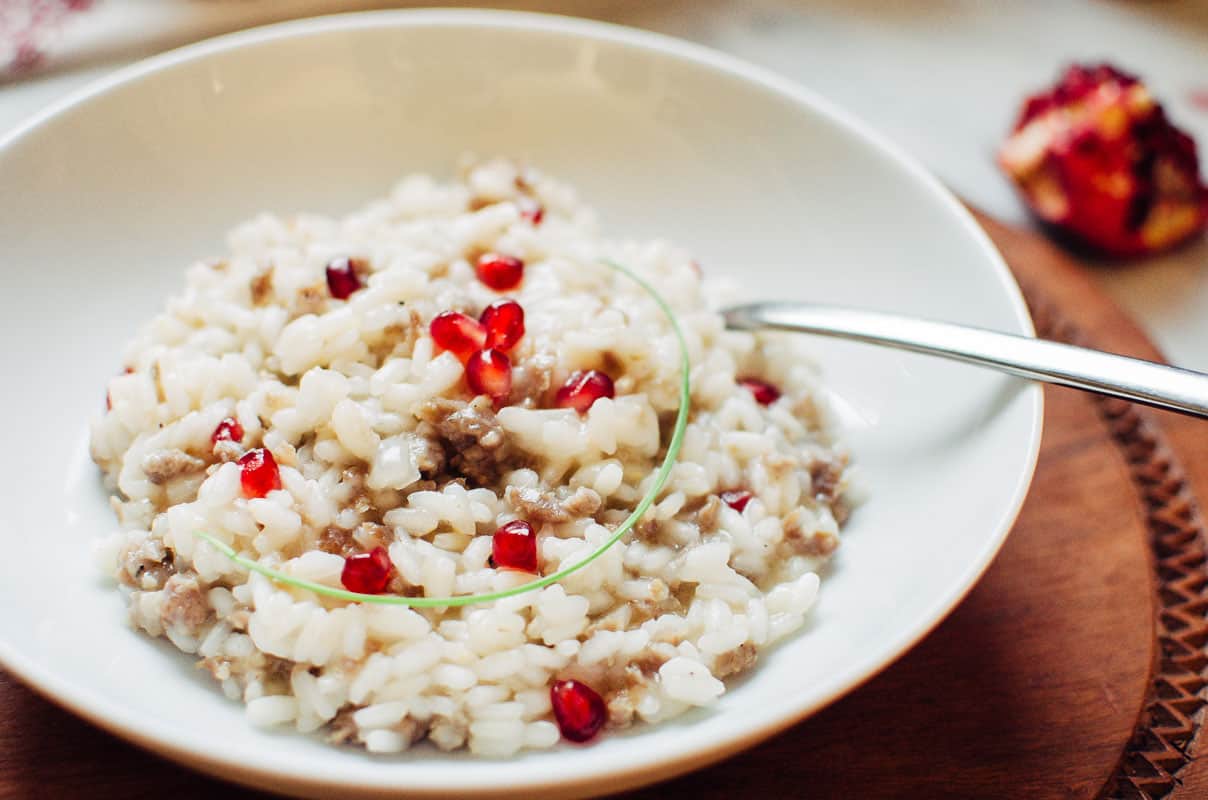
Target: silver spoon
(1145, 382)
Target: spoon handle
(1145, 382)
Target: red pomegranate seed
(342, 278)
(259, 474)
(532, 211)
(500, 272)
(504, 321)
(367, 573)
(579, 710)
(584, 388)
(229, 430)
(765, 393)
(489, 372)
(736, 499)
(460, 335)
(514, 546)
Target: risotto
(451, 393)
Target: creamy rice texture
(381, 443)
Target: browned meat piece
(824, 478)
(338, 541)
(709, 515)
(472, 437)
(429, 453)
(311, 300)
(162, 466)
(219, 667)
(841, 510)
(147, 566)
(532, 380)
(622, 708)
(541, 507)
(740, 659)
(814, 543)
(398, 336)
(262, 286)
(341, 729)
(184, 603)
(641, 668)
(535, 505)
(583, 502)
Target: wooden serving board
(1073, 669)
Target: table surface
(941, 78)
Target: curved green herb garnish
(660, 480)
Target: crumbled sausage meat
(824, 478)
(541, 507)
(807, 542)
(261, 286)
(147, 566)
(338, 541)
(532, 380)
(311, 300)
(161, 466)
(709, 515)
(342, 728)
(731, 662)
(473, 439)
(184, 603)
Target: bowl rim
(225, 761)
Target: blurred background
(944, 79)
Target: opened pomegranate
(367, 573)
(514, 546)
(578, 709)
(1096, 157)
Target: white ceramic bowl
(108, 196)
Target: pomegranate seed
(504, 321)
(229, 430)
(584, 388)
(342, 278)
(532, 211)
(579, 710)
(460, 335)
(765, 393)
(514, 546)
(489, 372)
(736, 499)
(367, 573)
(500, 272)
(259, 474)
